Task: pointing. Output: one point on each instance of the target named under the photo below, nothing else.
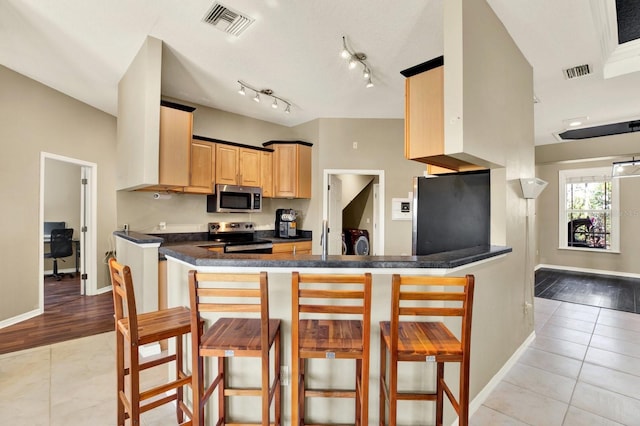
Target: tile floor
(582, 369)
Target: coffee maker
(286, 223)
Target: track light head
(287, 109)
(241, 90)
(369, 83)
(274, 105)
(257, 97)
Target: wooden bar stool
(138, 330)
(316, 333)
(430, 341)
(240, 336)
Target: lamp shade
(532, 187)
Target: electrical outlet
(284, 375)
(355, 145)
(527, 307)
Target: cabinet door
(249, 168)
(266, 172)
(424, 114)
(202, 168)
(304, 172)
(300, 247)
(285, 166)
(227, 164)
(175, 142)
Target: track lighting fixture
(266, 92)
(354, 59)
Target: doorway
(82, 210)
(332, 203)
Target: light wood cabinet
(174, 157)
(237, 166)
(297, 247)
(424, 119)
(266, 173)
(249, 167)
(227, 157)
(291, 169)
(202, 170)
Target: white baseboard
(20, 318)
(482, 396)
(103, 290)
(588, 270)
(61, 271)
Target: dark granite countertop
(137, 237)
(199, 256)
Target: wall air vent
(604, 130)
(577, 71)
(227, 20)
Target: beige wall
(36, 119)
(547, 206)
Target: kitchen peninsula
(483, 262)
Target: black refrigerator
(451, 212)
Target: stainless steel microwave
(235, 199)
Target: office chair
(61, 246)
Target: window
(588, 210)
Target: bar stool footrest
(330, 393)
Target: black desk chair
(61, 246)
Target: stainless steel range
(239, 237)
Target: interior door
(335, 215)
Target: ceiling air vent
(599, 131)
(227, 20)
(578, 71)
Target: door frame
(378, 240)
(88, 217)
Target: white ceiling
(83, 47)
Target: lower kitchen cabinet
(298, 247)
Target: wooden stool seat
(419, 339)
(338, 336)
(137, 330)
(429, 342)
(316, 332)
(240, 334)
(159, 325)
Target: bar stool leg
(463, 416)
(179, 390)
(278, 400)
(301, 398)
(222, 361)
(358, 388)
(383, 378)
(439, 393)
(393, 390)
(120, 367)
(266, 386)
(134, 376)
(364, 385)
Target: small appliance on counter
(286, 226)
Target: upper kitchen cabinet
(424, 118)
(176, 127)
(202, 171)
(266, 173)
(291, 168)
(237, 165)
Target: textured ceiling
(83, 47)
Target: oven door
(266, 247)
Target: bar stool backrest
(229, 293)
(332, 294)
(423, 296)
(124, 300)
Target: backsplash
(187, 213)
